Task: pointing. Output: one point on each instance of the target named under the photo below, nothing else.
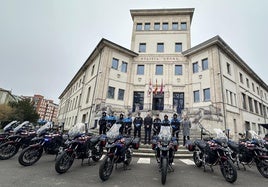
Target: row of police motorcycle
(79, 144)
(217, 149)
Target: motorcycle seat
(94, 140)
(201, 144)
(128, 141)
(234, 146)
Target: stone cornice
(159, 12)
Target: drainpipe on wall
(222, 91)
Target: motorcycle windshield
(221, 136)
(25, 123)
(77, 129)
(165, 133)
(10, 125)
(114, 131)
(253, 135)
(44, 128)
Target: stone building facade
(163, 74)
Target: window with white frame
(206, 93)
(196, 96)
(111, 92)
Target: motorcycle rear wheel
(164, 168)
(30, 155)
(8, 150)
(262, 167)
(106, 168)
(64, 162)
(197, 160)
(228, 171)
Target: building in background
(6, 96)
(163, 73)
(46, 108)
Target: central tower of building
(159, 37)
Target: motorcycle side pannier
(190, 146)
(136, 143)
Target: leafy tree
(6, 113)
(24, 110)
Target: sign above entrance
(159, 58)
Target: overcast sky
(43, 43)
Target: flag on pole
(156, 88)
(161, 87)
(150, 88)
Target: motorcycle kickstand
(211, 168)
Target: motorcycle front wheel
(197, 160)
(262, 167)
(164, 168)
(30, 155)
(106, 168)
(64, 162)
(228, 171)
(8, 150)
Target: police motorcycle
(119, 150)
(165, 147)
(249, 151)
(7, 131)
(79, 145)
(20, 138)
(214, 151)
(44, 141)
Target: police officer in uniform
(175, 124)
(138, 121)
(103, 123)
(156, 125)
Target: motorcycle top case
(136, 143)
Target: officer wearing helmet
(103, 123)
(165, 121)
(120, 120)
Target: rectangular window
(88, 94)
(147, 26)
(124, 67)
(206, 93)
(178, 69)
(115, 63)
(196, 96)
(175, 26)
(256, 106)
(178, 47)
(165, 26)
(260, 105)
(183, 26)
(258, 92)
(139, 27)
(205, 64)
(121, 94)
(142, 47)
(241, 77)
(244, 104)
(195, 67)
(111, 92)
(138, 101)
(228, 68)
(253, 87)
(250, 104)
(227, 97)
(247, 82)
(160, 47)
(157, 26)
(159, 70)
(92, 70)
(140, 70)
